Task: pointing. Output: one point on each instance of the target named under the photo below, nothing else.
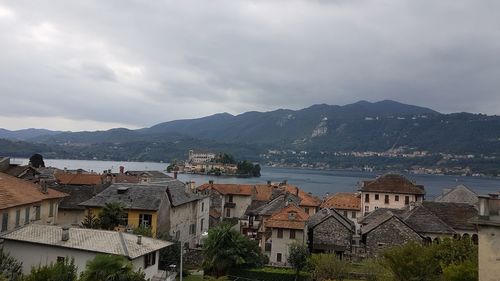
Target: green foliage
(90, 221)
(328, 267)
(374, 270)
(465, 271)
(36, 160)
(225, 158)
(268, 274)
(225, 248)
(247, 168)
(10, 268)
(112, 215)
(433, 262)
(110, 268)
(59, 271)
(169, 255)
(297, 257)
(143, 230)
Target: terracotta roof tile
(229, 188)
(16, 192)
(392, 183)
(343, 201)
(79, 179)
(284, 219)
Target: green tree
(59, 271)
(143, 230)
(225, 249)
(110, 268)
(90, 221)
(297, 257)
(10, 268)
(112, 215)
(169, 255)
(465, 271)
(413, 262)
(374, 270)
(36, 160)
(328, 267)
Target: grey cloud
(140, 63)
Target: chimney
(175, 175)
(43, 186)
(65, 233)
(139, 239)
(268, 183)
(211, 181)
(122, 169)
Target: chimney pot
(139, 239)
(211, 181)
(122, 169)
(269, 183)
(65, 233)
(175, 175)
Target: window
(192, 228)
(27, 215)
(345, 214)
(202, 206)
(145, 220)
(376, 196)
(278, 257)
(280, 232)
(37, 212)
(177, 235)
(367, 198)
(149, 259)
(5, 221)
(292, 233)
(60, 259)
(230, 198)
(407, 200)
(396, 198)
(386, 199)
(367, 209)
(376, 207)
(51, 209)
(18, 217)
(306, 210)
(228, 213)
(201, 225)
(353, 215)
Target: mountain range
(361, 126)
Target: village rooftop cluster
(43, 210)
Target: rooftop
(229, 188)
(326, 213)
(92, 240)
(17, 192)
(343, 201)
(392, 183)
(77, 194)
(291, 217)
(78, 179)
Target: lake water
(319, 182)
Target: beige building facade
(488, 224)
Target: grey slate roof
(92, 240)
(381, 219)
(373, 215)
(425, 221)
(458, 194)
(326, 213)
(151, 174)
(143, 196)
(77, 194)
(277, 204)
(456, 215)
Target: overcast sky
(88, 65)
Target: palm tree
(110, 268)
(225, 248)
(112, 215)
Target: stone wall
(390, 233)
(332, 234)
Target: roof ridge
(124, 245)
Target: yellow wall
(133, 218)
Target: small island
(214, 164)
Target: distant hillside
(362, 126)
(25, 134)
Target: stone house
(385, 231)
(36, 245)
(347, 203)
(289, 225)
(25, 172)
(166, 207)
(23, 202)
(389, 191)
(330, 231)
(458, 194)
(488, 224)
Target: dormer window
(292, 215)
